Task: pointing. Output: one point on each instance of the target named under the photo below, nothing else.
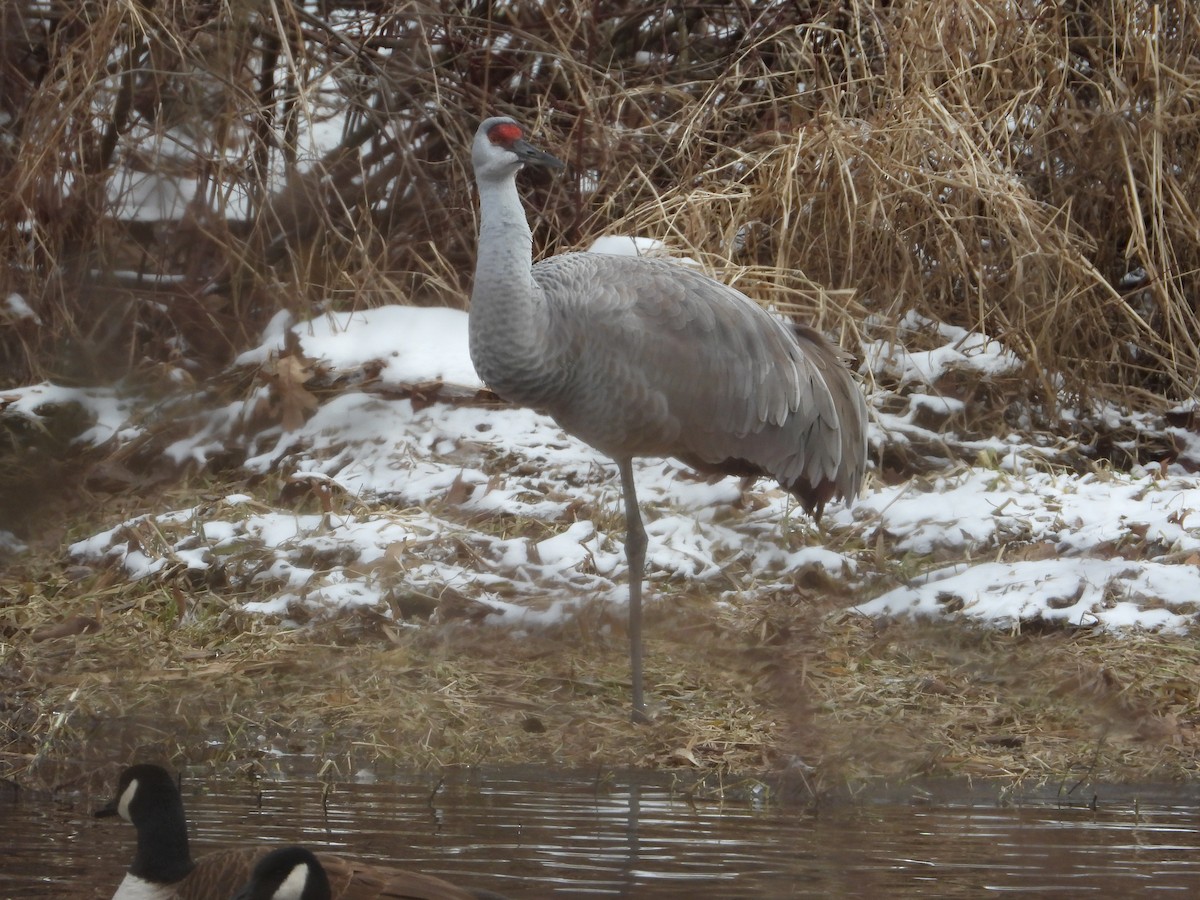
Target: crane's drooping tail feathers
(818, 452)
(848, 399)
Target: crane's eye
(505, 133)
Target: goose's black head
(148, 796)
(144, 792)
(291, 873)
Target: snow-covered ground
(499, 506)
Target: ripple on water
(529, 832)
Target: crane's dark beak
(532, 156)
(108, 809)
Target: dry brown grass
(1002, 166)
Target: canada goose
(163, 868)
(295, 873)
(291, 873)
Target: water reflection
(530, 833)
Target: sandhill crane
(644, 357)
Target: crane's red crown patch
(505, 133)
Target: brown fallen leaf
(66, 628)
(458, 492)
(295, 401)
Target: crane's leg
(635, 553)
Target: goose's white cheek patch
(126, 799)
(293, 885)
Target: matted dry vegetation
(1022, 168)
(101, 669)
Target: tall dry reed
(1021, 167)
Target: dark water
(529, 833)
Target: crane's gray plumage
(645, 357)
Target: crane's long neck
(508, 308)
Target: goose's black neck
(162, 854)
